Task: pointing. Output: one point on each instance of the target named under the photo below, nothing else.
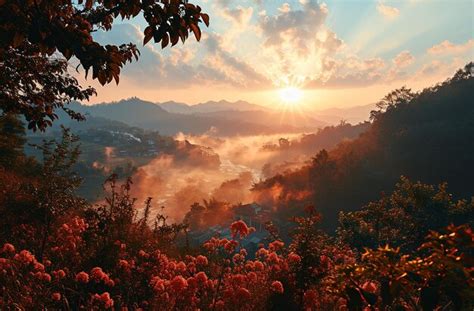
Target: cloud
(178, 67)
(295, 42)
(387, 11)
(403, 59)
(351, 72)
(446, 47)
(239, 16)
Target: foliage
(404, 218)
(38, 38)
(107, 256)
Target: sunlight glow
(290, 95)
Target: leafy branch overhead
(47, 29)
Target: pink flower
(82, 277)
(277, 287)
(56, 296)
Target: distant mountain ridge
(151, 116)
(210, 106)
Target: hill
(150, 116)
(211, 106)
(426, 136)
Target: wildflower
(294, 258)
(98, 275)
(277, 287)
(239, 228)
(201, 277)
(25, 257)
(82, 277)
(252, 276)
(59, 274)
(56, 296)
(259, 265)
(179, 283)
(202, 260)
(8, 248)
(181, 266)
(105, 299)
(158, 284)
(230, 246)
(123, 264)
(276, 245)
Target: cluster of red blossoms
(222, 278)
(80, 268)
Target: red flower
(202, 260)
(277, 287)
(179, 283)
(276, 245)
(239, 228)
(82, 277)
(294, 258)
(98, 275)
(8, 248)
(56, 296)
(105, 299)
(201, 277)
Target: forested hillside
(426, 136)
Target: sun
(290, 95)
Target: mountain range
(210, 106)
(223, 118)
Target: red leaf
(196, 31)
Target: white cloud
(387, 11)
(446, 47)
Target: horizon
(343, 60)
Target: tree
(12, 139)
(392, 100)
(38, 38)
(404, 218)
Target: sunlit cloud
(257, 47)
(387, 11)
(446, 47)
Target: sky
(339, 53)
